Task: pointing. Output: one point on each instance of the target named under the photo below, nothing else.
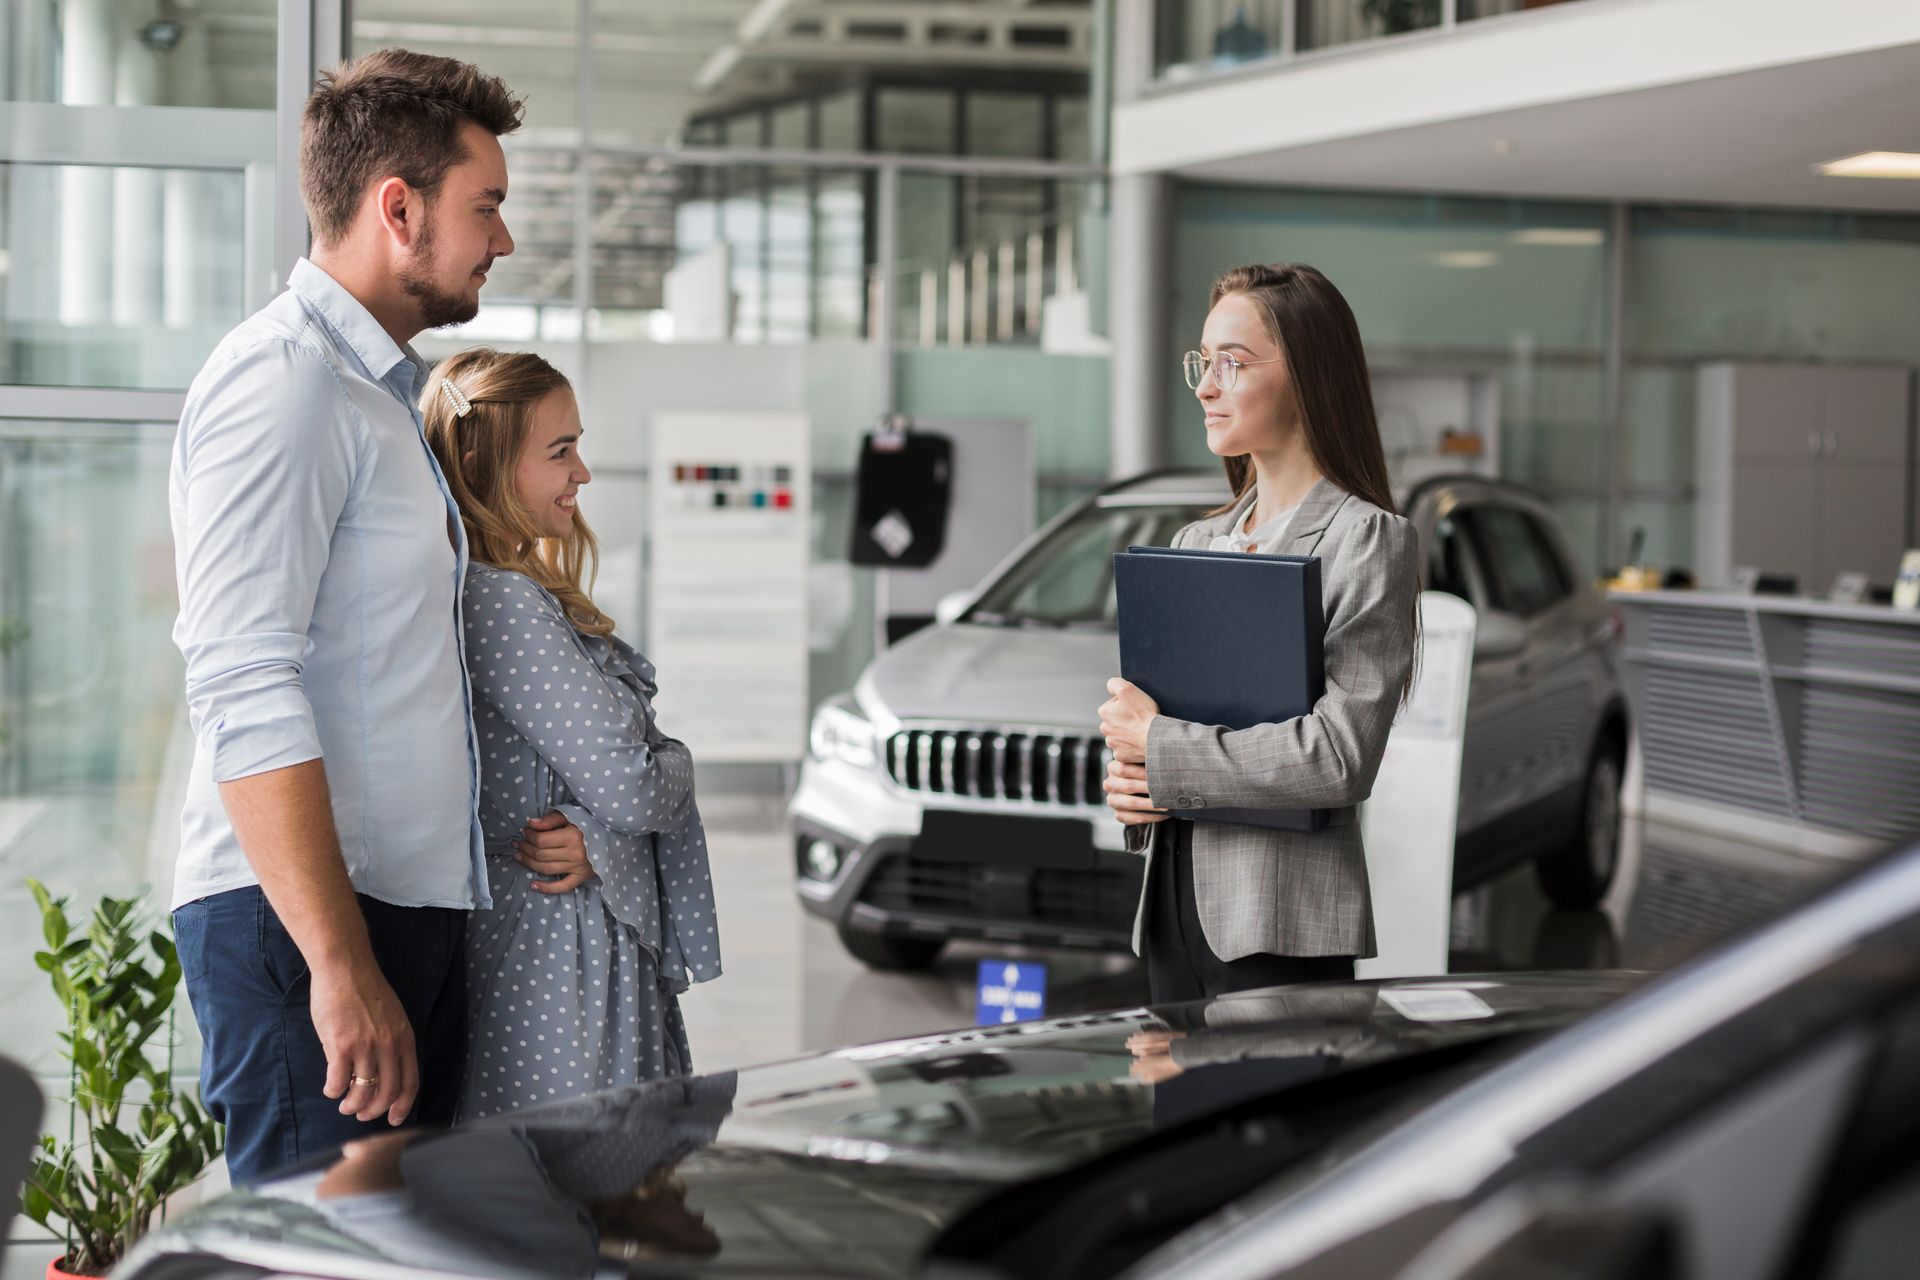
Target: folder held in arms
(1224, 638)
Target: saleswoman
(1282, 379)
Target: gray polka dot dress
(573, 992)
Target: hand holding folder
(1224, 638)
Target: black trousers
(1180, 964)
(262, 1068)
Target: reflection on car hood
(848, 1163)
(993, 675)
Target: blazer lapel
(1315, 513)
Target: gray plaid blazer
(1297, 893)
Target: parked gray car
(956, 791)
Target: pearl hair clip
(456, 398)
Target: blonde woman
(602, 902)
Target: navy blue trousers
(262, 1069)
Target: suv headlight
(841, 733)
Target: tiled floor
(790, 989)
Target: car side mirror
(1554, 1230)
(951, 606)
(1498, 635)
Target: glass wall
(764, 253)
(138, 53)
(117, 276)
(1035, 115)
(1748, 284)
(90, 682)
(980, 255)
(1516, 290)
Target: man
(330, 846)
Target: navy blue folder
(1224, 638)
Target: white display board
(730, 507)
(1407, 824)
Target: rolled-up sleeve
(264, 468)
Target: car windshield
(1067, 579)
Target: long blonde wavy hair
(503, 388)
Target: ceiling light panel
(1873, 164)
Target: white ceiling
(1747, 138)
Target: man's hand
(284, 820)
(366, 1036)
(1124, 720)
(552, 846)
(1126, 786)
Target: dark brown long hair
(1320, 341)
(1327, 363)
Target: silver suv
(955, 793)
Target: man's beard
(438, 308)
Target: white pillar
(1139, 320)
(137, 193)
(86, 193)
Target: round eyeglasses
(1225, 366)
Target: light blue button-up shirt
(320, 560)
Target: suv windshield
(1067, 579)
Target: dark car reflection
(853, 1162)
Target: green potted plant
(131, 1140)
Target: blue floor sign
(1011, 991)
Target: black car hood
(848, 1163)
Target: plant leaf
(154, 1160)
(35, 1203)
(119, 1148)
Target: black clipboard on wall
(1224, 638)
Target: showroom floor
(789, 989)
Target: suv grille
(986, 764)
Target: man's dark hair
(394, 113)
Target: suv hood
(848, 1163)
(968, 673)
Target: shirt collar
(350, 320)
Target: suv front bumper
(920, 869)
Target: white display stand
(1408, 822)
(729, 500)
